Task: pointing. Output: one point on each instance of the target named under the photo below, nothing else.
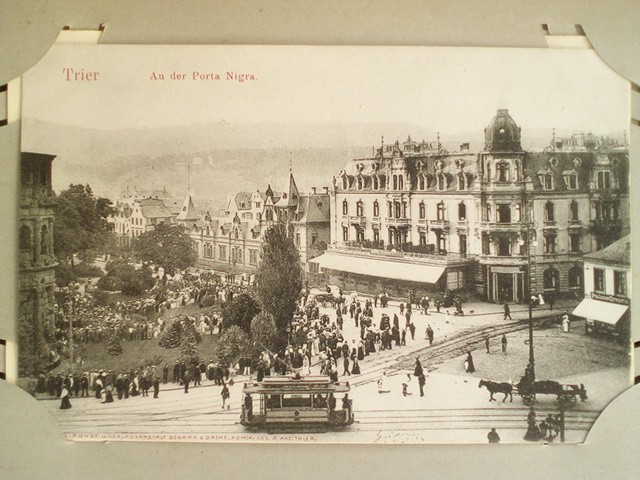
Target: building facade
(607, 286)
(132, 219)
(486, 222)
(233, 242)
(36, 262)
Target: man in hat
(156, 387)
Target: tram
(296, 402)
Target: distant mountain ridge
(223, 158)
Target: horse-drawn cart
(565, 394)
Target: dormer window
(546, 180)
(571, 180)
(604, 179)
(461, 182)
(441, 181)
(360, 183)
(376, 182)
(422, 182)
(345, 183)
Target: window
(421, 182)
(257, 204)
(550, 243)
(551, 279)
(503, 212)
(504, 247)
(376, 209)
(574, 242)
(547, 181)
(461, 181)
(575, 277)
(400, 182)
(297, 239)
(345, 183)
(486, 245)
(462, 211)
(517, 213)
(573, 210)
(620, 283)
(549, 212)
(359, 209)
(441, 242)
(390, 209)
(345, 234)
(440, 211)
(404, 209)
(598, 280)
(376, 235)
(441, 182)
(395, 182)
(423, 238)
(604, 179)
(463, 245)
(44, 240)
(487, 213)
(314, 238)
(422, 213)
(360, 234)
(376, 182)
(345, 207)
(25, 238)
(571, 180)
(360, 183)
(502, 172)
(396, 207)
(222, 252)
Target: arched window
(462, 211)
(549, 212)
(345, 207)
(400, 182)
(440, 211)
(345, 183)
(573, 210)
(25, 238)
(376, 182)
(395, 182)
(422, 183)
(360, 183)
(44, 240)
(441, 182)
(376, 209)
(422, 210)
(359, 208)
(461, 182)
(571, 180)
(551, 279)
(575, 277)
(547, 181)
(503, 172)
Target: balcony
(398, 222)
(450, 258)
(439, 224)
(357, 220)
(514, 227)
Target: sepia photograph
(324, 244)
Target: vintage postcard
(324, 244)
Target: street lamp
(525, 240)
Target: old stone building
(36, 262)
(415, 216)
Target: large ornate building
(233, 242)
(415, 216)
(36, 262)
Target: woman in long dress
(108, 394)
(470, 367)
(64, 395)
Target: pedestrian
(507, 311)
(551, 300)
(486, 344)
(382, 388)
(418, 370)
(108, 394)
(356, 367)
(225, 395)
(469, 366)
(64, 395)
(401, 308)
(165, 374)
(156, 387)
(346, 366)
(412, 330)
(185, 380)
(503, 341)
(421, 381)
(493, 436)
(430, 334)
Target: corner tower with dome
(416, 216)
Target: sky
(448, 89)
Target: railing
(448, 257)
(398, 221)
(504, 226)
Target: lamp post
(526, 242)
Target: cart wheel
(567, 401)
(529, 399)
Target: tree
(264, 333)
(232, 344)
(279, 279)
(123, 276)
(80, 222)
(114, 345)
(188, 346)
(240, 311)
(172, 334)
(168, 246)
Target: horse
(497, 387)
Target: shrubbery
(125, 277)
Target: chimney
(326, 190)
(313, 189)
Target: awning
(602, 311)
(410, 272)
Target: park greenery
(122, 276)
(168, 246)
(240, 311)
